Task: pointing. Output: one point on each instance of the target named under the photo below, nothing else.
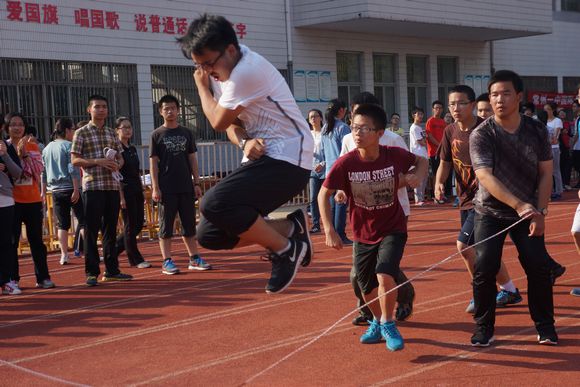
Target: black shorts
(171, 204)
(467, 224)
(255, 189)
(61, 201)
(383, 257)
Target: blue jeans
(339, 217)
(315, 184)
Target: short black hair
(168, 98)
(31, 130)
(506, 76)
(8, 117)
(97, 97)
(530, 106)
(436, 102)
(375, 113)
(416, 110)
(464, 89)
(483, 98)
(363, 98)
(395, 114)
(211, 32)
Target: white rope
(315, 339)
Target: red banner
(540, 98)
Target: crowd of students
(361, 170)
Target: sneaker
(373, 333)
(361, 320)
(404, 311)
(346, 242)
(567, 188)
(45, 284)
(439, 201)
(456, 202)
(471, 307)
(91, 280)
(505, 297)
(550, 337)
(197, 263)
(315, 230)
(11, 288)
(64, 259)
(143, 265)
(169, 267)
(392, 336)
(575, 292)
(556, 197)
(557, 272)
(420, 204)
(77, 253)
(482, 337)
(116, 277)
(301, 233)
(285, 266)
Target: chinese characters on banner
(19, 11)
(540, 98)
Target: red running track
(221, 328)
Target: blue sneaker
(504, 298)
(391, 334)
(198, 263)
(373, 333)
(471, 307)
(169, 267)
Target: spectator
(318, 167)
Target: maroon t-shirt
(371, 188)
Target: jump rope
(330, 328)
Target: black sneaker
(482, 337)
(548, 337)
(301, 233)
(557, 272)
(404, 311)
(285, 266)
(315, 230)
(116, 277)
(362, 320)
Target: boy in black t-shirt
(173, 164)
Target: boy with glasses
(369, 176)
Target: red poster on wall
(540, 98)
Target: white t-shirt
(389, 139)
(270, 110)
(552, 126)
(417, 133)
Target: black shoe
(346, 242)
(116, 277)
(482, 337)
(548, 337)
(557, 272)
(362, 320)
(301, 233)
(285, 266)
(315, 230)
(404, 311)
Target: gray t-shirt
(514, 160)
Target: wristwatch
(543, 211)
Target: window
(571, 85)
(571, 5)
(549, 84)
(176, 80)
(348, 68)
(47, 90)
(447, 74)
(416, 83)
(385, 77)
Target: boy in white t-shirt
(253, 104)
(418, 145)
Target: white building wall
(316, 50)
(555, 54)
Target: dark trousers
(133, 216)
(405, 295)
(534, 259)
(31, 214)
(565, 166)
(101, 213)
(315, 184)
(8, 253)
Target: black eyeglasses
(209, 65)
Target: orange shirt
(27, 188)
(435, 126)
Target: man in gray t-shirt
(511, 157)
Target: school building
(55, 53)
